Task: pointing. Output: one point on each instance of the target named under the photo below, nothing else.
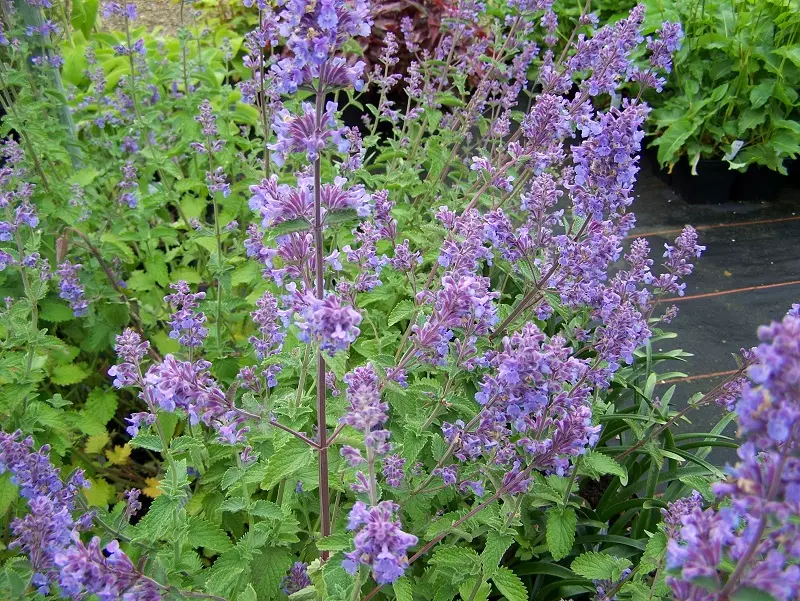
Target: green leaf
(147, 441)
(457, 562)
(474, 589)
(599, 566)
(231, 477)
(223, 580)
(402, 310)
(248, 594)
(288, 227)
(597, 464)
(751, 594)
(101, 405)
(96, 443)
(286, 462)
(510, 585)
(8, 492)
(790, 52)
(99, 494)
(65, 375)
(340, 216)
(761, 93)
(202, 533)
(496, 546)
(268, 569)
(402, 589)
(561, 524)
(751, 118)
(672, 140)
(55, 312)
(448, 99)
(267, 510)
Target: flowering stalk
(322, 443)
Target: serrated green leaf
(267, 510)
(248, 594)
(100, 406)
(202, 533)
(597, 464)
(561, 524)
(402, 589)
(402, 310)
(474, 589)
(66, 375)
(599, 566)
(510, 585)
(288, 227)
(496, 546)
(55, 312)
(458, 562)
(99, 494)
(147, 441)
(222, 581)
(286, 462)
(231, 477)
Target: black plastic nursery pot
(757, 184)
(713, 183)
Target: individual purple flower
(379, 543)
(351, 455)
(137, 420)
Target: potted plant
(728, 121)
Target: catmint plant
(323, 329)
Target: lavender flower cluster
(755, 529)
(50, 535)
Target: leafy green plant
(733, 92)
(277, 355)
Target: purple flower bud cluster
(297, 579)
(536, 408)
(306, 133)
(186, 321)
(71, 289)
(366, 412)
(49, 526)
(328, 322)
(314, 31)
(173, 384)
(117, 9)
(129, 185)
(108, 573)
(755, 530)
(379, 543)
(270, 339)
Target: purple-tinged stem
(324, 490)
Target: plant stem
(245, 491)
(324, 490)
